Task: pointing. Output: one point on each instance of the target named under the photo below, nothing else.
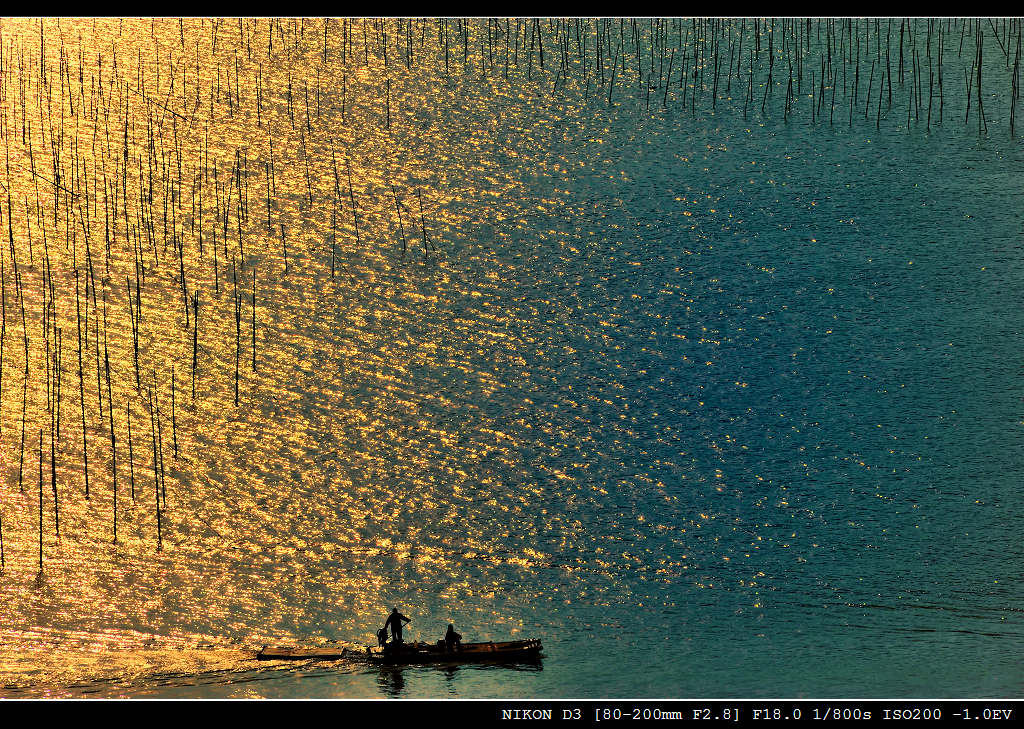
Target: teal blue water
(714, 407)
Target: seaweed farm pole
(110, 398)
(160, 442)
(174, 422)
(195, 338)
(352, 197)
(113, 467)
(878, 114)
(423, 227)
(871, 80)
(156, 470)
(832, 108)
(99, 364)
(1014, 84)
(3, 334)
(284, 246)
(931, 83)
(967, 83)
(237, 301)
(40, 501)
(81, 385)
(750, 84)
(110, 410)
(939, 63)
(401, 227)
(266, 172)
(254, 319)
(888, 66)
(24, 410)
(135, 330)
(671, 60)
(981, 109)
(131, 453)
(216, 265)
(53, 474)
(611, 84)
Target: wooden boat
(512, 651)
(406, 653)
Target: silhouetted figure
(452, 640)
(382, 637)
(395, 623)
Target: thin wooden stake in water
(284, 247)
(24, 413)
(254, 319)
(195, 338)
(160, 444)
(40, 501)
(423, 228)
(237, 299)
(401, 226)
(352, 197)
(156, 471)
(3, 336)
(110, 409)
(53, 483)
(131, 452)
(174, 421)
(81, 385)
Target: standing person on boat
(382, 637)
(452, 640)
(395, 623)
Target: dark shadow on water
(391, 682)
(392, 679)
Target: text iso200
(915, 713)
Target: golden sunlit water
(591, 331)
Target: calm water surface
(714, 406)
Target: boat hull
(507, 652)
(410, 653)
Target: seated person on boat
(452, 640)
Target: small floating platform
(324, 653)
